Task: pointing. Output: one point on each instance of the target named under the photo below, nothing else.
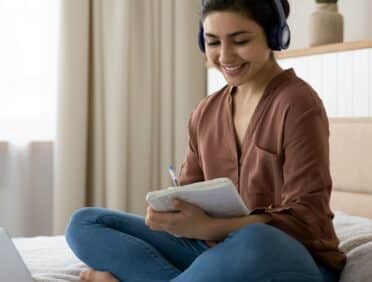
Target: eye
(241, 42)
(212, 43)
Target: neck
(256, 86)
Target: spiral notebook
(217, 197)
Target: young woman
(266, 130)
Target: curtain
(25, 188)
(28, 74)
(130, 75)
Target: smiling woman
(267, 131)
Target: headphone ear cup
(279, 38)
(273, 39)
(280, 35)
(201, 42)
(285, 37)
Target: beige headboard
(351, 165)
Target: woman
(266, 130)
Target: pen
(173, 175)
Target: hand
(189, 221)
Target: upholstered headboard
(351, 165)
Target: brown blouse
(283, 169)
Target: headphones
(278, 38)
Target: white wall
(342, 80)
(357, 20)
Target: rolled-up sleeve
(304, 212)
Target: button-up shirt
(282, 169)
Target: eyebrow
(229, 35)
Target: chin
(236, 82)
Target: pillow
(355, 234)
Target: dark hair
(261, 11)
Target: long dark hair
(261, 11)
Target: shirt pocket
(265, 153)
(266, 177)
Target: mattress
(49, 259)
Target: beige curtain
(130, 75)
(25, 187)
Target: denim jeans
(122, 244)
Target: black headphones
(278, 38)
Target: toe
(85, 275)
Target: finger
(183, 205)
(158, 227)
(179, 204)
(157, 218)
(170, 226)
(150, 215)
(166, 219)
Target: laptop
(12, 267)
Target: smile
(233, 69)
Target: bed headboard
(351, 165)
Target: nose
(227, 54)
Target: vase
(326, 25)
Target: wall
(341, 79)
(357, 20)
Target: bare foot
(92, 275)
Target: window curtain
(25, 187)
(130, 75)
(28, 68)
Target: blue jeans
(122, 244)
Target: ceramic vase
(326, 25)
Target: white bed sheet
(49, 258)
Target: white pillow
(355, 234)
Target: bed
(351, 169)
(49, 258)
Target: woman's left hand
(189, 221)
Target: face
(235, 45)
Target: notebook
(217, 197)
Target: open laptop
(12, 267)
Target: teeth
(232, 68)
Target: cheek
(255, 54)
(211, 55)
